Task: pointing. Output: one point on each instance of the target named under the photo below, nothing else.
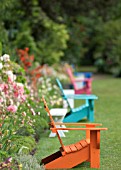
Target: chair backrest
(62, 92)
(52, 121)
(69, 72)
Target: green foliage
(108, 50)
(40, 122)
(0, 48)
(19, 72)
(29, 162)
(87, 24)
(22, 144)
(5, 13)
(16, 108)
(3, 154)
(57, 34)
(39, 126)
(26, 131)
(27, 25)
(24, 38)
(48, 88)
(65, 31)
(82, 39)
(19, 144)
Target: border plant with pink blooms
(15, 111)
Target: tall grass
(107, 112)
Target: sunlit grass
(107, 112)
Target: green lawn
(107, 112)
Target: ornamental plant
(15, 111)
(9, 163)
(48, 87)
(26, 61)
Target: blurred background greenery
(77, 32)
(49, 34)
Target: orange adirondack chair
(87, 83)
(87, 149)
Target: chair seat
(78, 108)
(76, 146)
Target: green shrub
(39, 127)
(29, 162)
(26, 131)
(45, 38)
(22, 144)
(0, 48)
(108, 49)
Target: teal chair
(78, 113)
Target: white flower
(11, 102)
(6, 57)
(24, 113)
(1, 66)
(38, 113)
(43, 86)
(1, 58)
(54, 86)
(49, 89)
(48, 80)
(14, 77)
(40, 79)
(54, 97)
(18, 103)
(49, 84)
(6, 65)
(9, 73)
(33, 112)
(20, 84)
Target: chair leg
(95, 148)
(90, 117)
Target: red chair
(86, 83)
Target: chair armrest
(91, 129)
(81, 96)
(79, 124)
(83, 80)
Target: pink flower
(1, 87)
(21, 89)
(18, 91)
(23, 97)
(4, 88)
(12, 108)
(16, 94)
(9, 80)
(1, 100)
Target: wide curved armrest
(79, 124)
(55, 129)
(83, 79)
(82, 96)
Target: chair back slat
(71, 77)
(62, 92)
(52, 122)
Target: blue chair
(78, 113)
